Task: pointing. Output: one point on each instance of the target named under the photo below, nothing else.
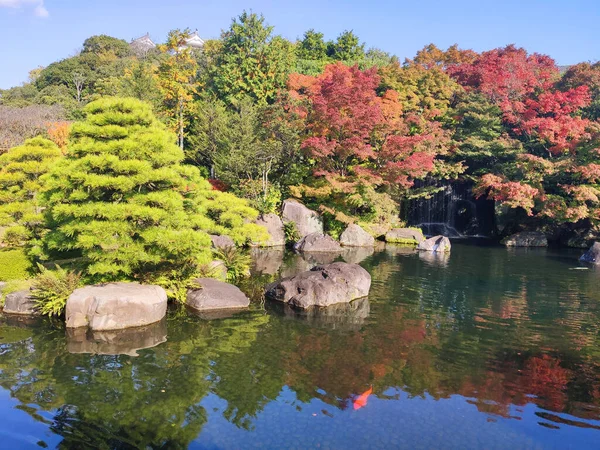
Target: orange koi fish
(361, 401)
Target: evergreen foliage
(21, 169)
(123, 201)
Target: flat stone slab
(322, 286)
(116, 306)
(406, 236)
(214, 295)
(21, 303)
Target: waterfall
(452, 211)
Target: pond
(484, 348)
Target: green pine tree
(123, 202)
(20, 172)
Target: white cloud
(38, 6)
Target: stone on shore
(115, 306)
(355, 236)
(438, 244)
(322, 286)
(592, 255)
(220, 242)
(274, 226)
(20, 302)
(526, 239)
(405, 236)
(317, 242)
(306, 220)
(213, 294)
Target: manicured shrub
(122, 201)
(21, 169)
(14, 265)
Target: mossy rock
(405, 236)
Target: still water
(486, 348)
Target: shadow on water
(484, 347)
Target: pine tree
(123, 201)
(20, 172)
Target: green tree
(347, 47)
(122, 201)
(176, 78)
(251, 62)
(20, 183)
(312, 46)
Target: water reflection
(469, 345)
(117, 342)
(343, 316)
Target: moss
(403, 241)
(14, 265)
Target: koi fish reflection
(361, 400)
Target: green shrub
(14, 265)
(291, 233)
(237, 262)
(124, 202)
(52, 288)
(21, 170)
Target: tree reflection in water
(499, 329)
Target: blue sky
(38, 32)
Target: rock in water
(306, 220)
(317, 242)
(408, 236)
(274, 227)
(116, 306)
(215, 294)
(592, 255)
(526, 239)
(355, 236)
(322, 286)
(220, 242)
(438, 244)
(20, 302)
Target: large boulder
(20, 302)
(406, 236)
(220, 242)
(115, 306)
(355, 236)
(317, 242)
(214, 294)
(592, 255)
(526, 239)
(439, 244)
(306, 220)
(274, 226)
(322, 286)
